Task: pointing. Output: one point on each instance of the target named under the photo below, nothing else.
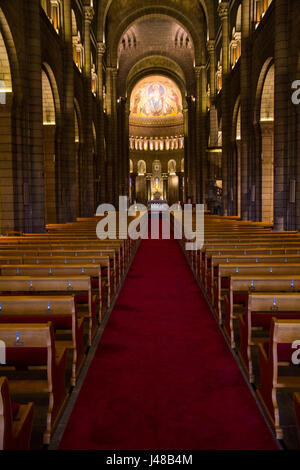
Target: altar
(157, 205)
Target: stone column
(187, 169)
(213, 115)
(35, 117)
(192, 150)
(67, 163)
(100, 52)
(116, 142)
(245, 85)
(281, 106)
(112, 144)
(87, 168)
(223, 13)
(201, 109)
(198, 154)
(123, 146)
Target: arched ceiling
(207, 9)
(153, 36)
(124, 13)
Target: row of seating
(251, 277)
(55, 289)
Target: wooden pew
(64, 244)
(11, 259)
(225, 271)
(60, 310)
(297, 411)
(80, 286)
(33, 345)
(107, 267)
(244, 259)
(241, 285)
(273, 355)
(107, 263)
(15, 421)
(107, 272)
(65, 270)
(261, 308)
(269, 247)
(33, 253)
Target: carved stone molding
(198, 70)
(223, 10)
(211, 46)
(101, 48)
(88, 13)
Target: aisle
(162, 376)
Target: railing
(156, 143)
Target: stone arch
(94, 136)
(264, 125)
(158, 65)
(5, 72)
(51, 115)
(267, 97)
(115, 37)
(236, 146)
(236, 121)
(75, 23)
(208, 11)
(259, 88)
(54, 88)
(12, 56)
(78, 155)
(11, 183)
(96, 168)
(238, 21)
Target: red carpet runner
(162, 376)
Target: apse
(156, 97)
(156, 138)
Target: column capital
(198, 70)
(223, 8)
(211, 46)
(101, 47)
(112, 70)
(89, 13)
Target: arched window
(93, 76)
(141, 167)
(235, 44)
(219, 73)
(172, 167)
(261, 7)
(52, 8)
(77, 44)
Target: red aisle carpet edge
(162, 376)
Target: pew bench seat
(15, 420)
(33, 344)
